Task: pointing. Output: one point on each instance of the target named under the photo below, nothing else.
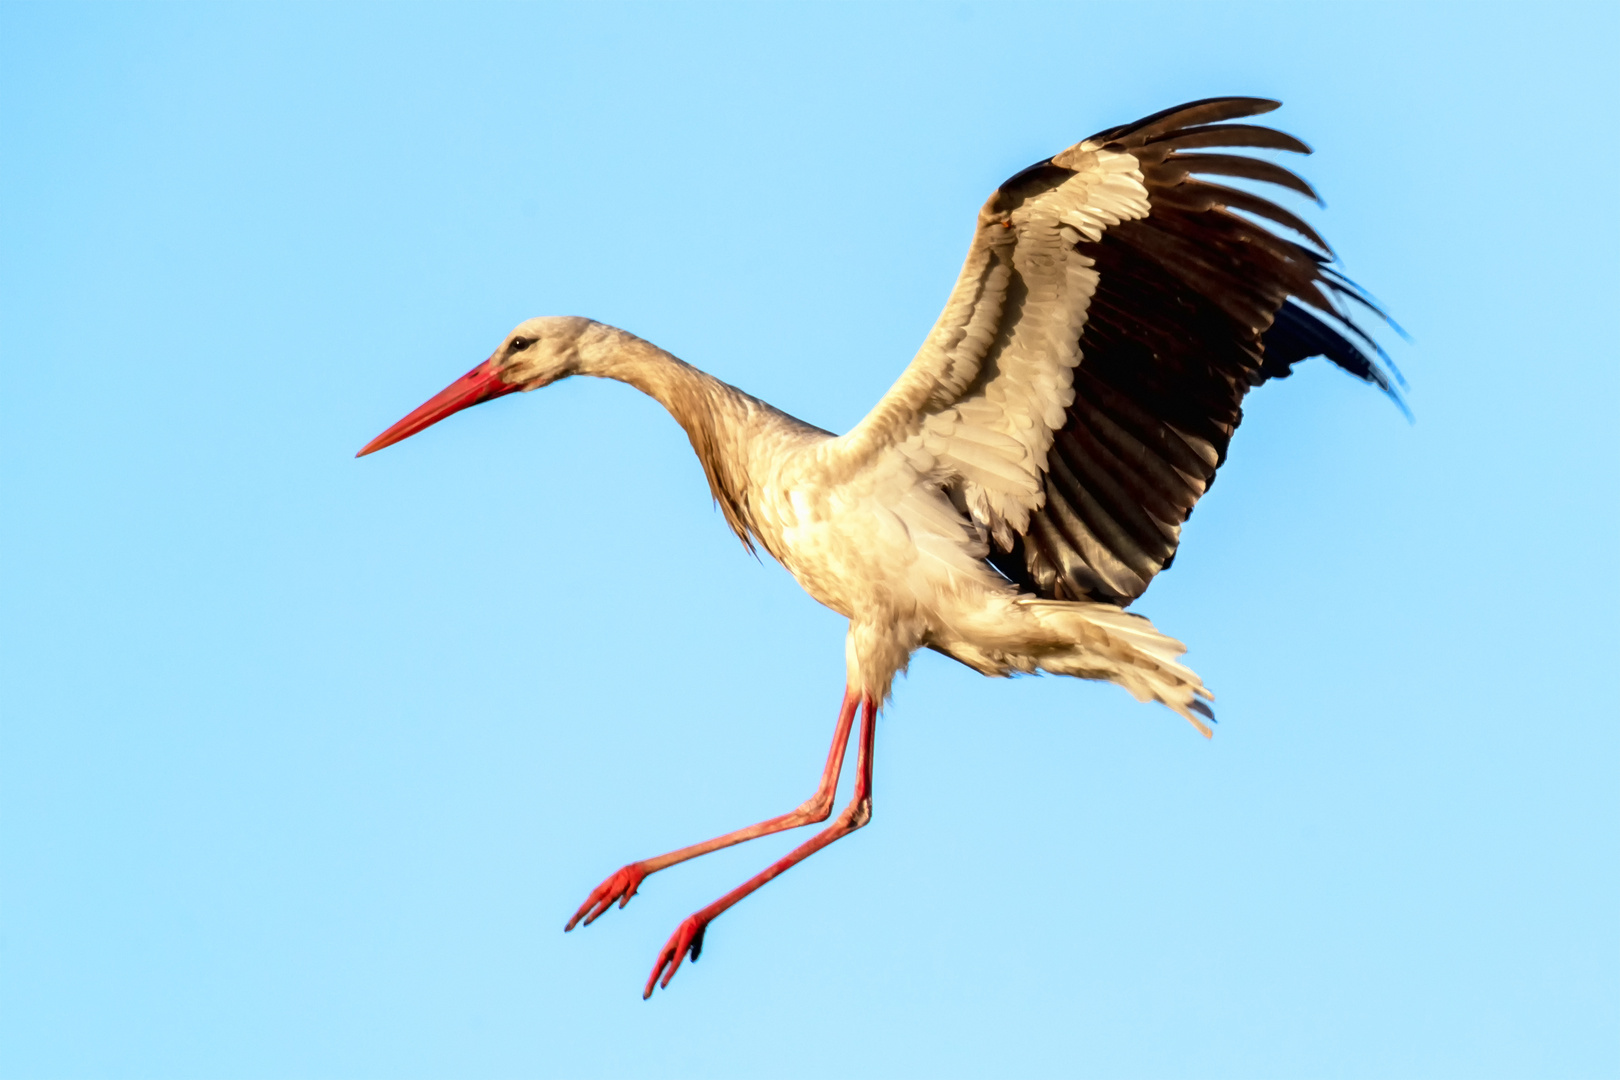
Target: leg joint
(817, 807)
(857, 814)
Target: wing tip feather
(1186, 115)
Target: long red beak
(482, 383)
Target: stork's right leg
(624, 883)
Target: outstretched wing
(1080, 389)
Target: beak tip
(480, 384)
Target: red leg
(624, 883)
(688, 937)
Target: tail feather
(1101, 641)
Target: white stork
(1030, 471)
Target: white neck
(718, 418)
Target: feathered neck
(716, 416)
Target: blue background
(306, 760)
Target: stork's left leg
(688, 937)
(624, 883)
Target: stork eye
(519, 344)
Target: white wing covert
(984, 395)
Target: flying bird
(1029, 473)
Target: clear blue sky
(306, 759)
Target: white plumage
(1029, 472)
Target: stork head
(536, 353)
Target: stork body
(1029, 473)
(867, 532)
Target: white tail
(1122, 648)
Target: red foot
(621, 887)
(687, 939)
